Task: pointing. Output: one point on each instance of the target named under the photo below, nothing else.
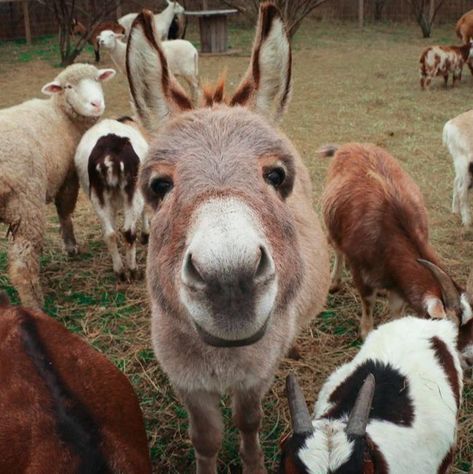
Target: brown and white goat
(404, 418)
(78, 28)
(237, 261)
(443, 61)
(376, 218)
(65, 407)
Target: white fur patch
(467, 313)
(434, 307)
(327, 449)
(227, 236)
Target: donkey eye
(161, 186)
(275, 177)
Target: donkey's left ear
(155, 93)
(266, 88)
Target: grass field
(349, 86)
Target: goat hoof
(135, 274)
(364, 333)
(294, 353)
(335, 288)
(121, 276)
(144, 238)
(72, 251)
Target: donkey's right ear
(266, 87)
(155, 93)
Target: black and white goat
(392, 409)
(107, 161)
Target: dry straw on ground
(349, 86)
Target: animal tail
(446, 134)
(327, 151)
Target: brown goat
(65, 407)
(79, 29)
(443, 61)
(237, 261)
(464, 27)
(377, 220)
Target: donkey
(237, 259)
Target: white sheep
(162, 20)
(458, 138)
(38, 139)
(181, 55)
(107, 162)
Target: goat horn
(358, 420)
(450, 295)
(300, 417)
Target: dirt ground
(349, 85)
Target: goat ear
(155, 93)
(51, 88)
(435, 308)
(267, 85)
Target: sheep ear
(106, 74)
(155, 93)
(267, 85)
(52, 88)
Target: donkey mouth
(216, 341)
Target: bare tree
(425, 12)
(378, 9)
(65, 11)
(294, 11)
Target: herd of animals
(237, 265)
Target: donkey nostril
(265, 266)
(191, 275)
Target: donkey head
(223, 248)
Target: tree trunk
(425, 26)
(378, 9)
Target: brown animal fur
(65, 407)
(225, 152)
(443, 61)
(376, 218)
(464, 27)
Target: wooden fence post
(361, 12)
(26, 15)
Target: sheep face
(108, 39)
(83, 94)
